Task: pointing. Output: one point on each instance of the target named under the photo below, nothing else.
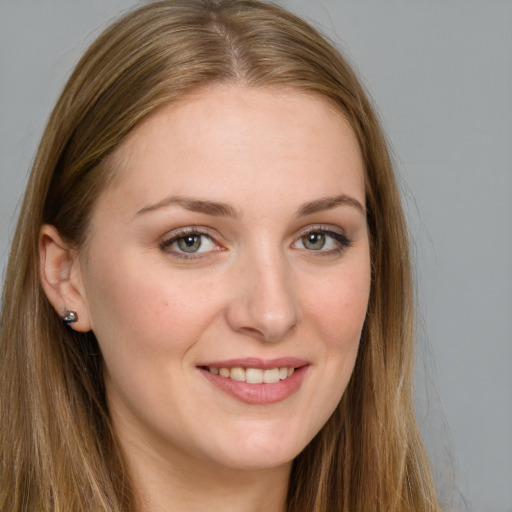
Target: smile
(254, 375)
(254, 381)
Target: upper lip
(256, 362)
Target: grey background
(441, 75)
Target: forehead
(261, 136)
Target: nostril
(251, 331)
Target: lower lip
(258, 394)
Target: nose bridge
(265, 303)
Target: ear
(61, 277)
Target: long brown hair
(57, 448)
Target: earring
(69, 317)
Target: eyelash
(341, 240)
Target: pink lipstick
(257, 381)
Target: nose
(264, 304)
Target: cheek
(150, 322)
(336, 314)
(147, 320)
(340, 307)
(339, 313)
(145, 311)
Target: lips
(256, 381)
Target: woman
(208, 301)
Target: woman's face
(226, 276)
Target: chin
(253, 461)
(262, 449)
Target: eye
(188, 243)
(322, 240)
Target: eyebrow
(217, 209)
(328, 203)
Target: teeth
(237, 374)
(271, 376)
(254, 375)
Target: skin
(255, 289)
